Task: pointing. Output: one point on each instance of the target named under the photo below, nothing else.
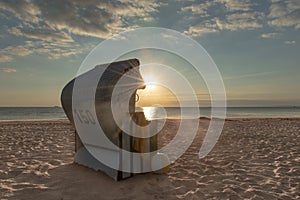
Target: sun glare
(150, 83)
(148, 112)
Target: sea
(49, 113)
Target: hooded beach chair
(103, 102)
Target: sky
(254, 43)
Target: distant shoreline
(200, 118)
(57, 113)
(165, 107)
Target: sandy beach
(253, 159)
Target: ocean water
(42, 113)
(30, 113)
(232, 112)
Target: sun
(150, 93)
(150, 83)
(150, 86)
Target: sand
(253, 159)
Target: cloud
(51, 26)
(232, 22)
(42, 34)
(290, 42)
(218, 15)
(292, 4)
(56, 51)
(285, 14)
(8, 70)
(236, 5)
(269, 35)
(53, 49)
(5, 58)
(249, 75)
(7, 53)
(201, 29)
(241, 21)
(17, 50)
(227, 5)
(199, 9)
(277, 10)
(235, 15)
(89, 18)
(289, 20)
(78, 19)
(24, 9)
(131, 8)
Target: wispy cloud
(241, 21)
(249, 75)
(270, 35)
(285, 14)
(290, 42)
(235, 15)
(41, 34)
(17, 50)
(53, 50)
(24, 10)
(277, 10)
(50, 27)
(199, 9)
(238, 15)
(8, 70)
(202, 29)
(232, 22)
(236, 5)
(89, 18)
(53, 27)
(5, 58)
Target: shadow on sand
(73, 181)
